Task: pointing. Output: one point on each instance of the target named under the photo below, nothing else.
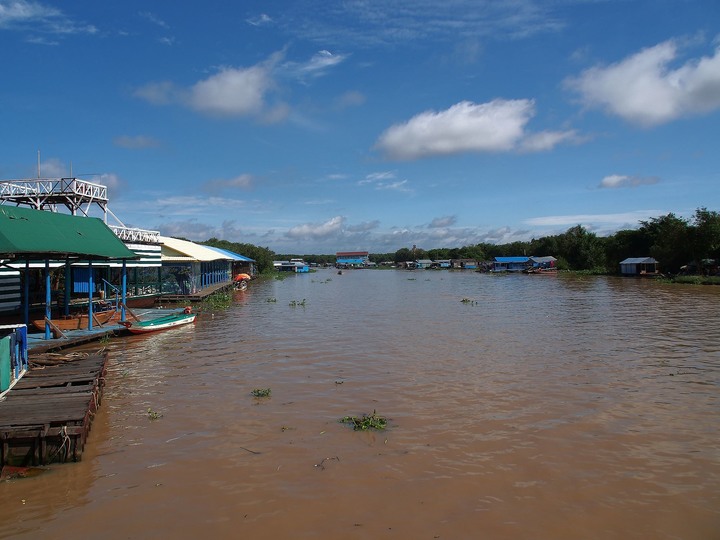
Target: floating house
(79, 198)
(240, 263)
(511, 264)
(467, 264)
(37, 237)
(542, 265)
(352, 259)
(188, 268)
(293, 265)
(141, 275)
(639, 266)
(423, 263)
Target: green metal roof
(38, 234)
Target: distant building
(511, 264)
(543, 262)
(639, 266)
(293, 265)
(469, 264)
(352, 259)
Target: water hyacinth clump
(260, 392)
(365, 422)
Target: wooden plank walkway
(46, 417)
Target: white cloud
(36, 17)
(53, 168)
(583, 219)
(643, 89)
(111, 181)
(365, 226)
(232, 92)
(238, 91)
(363, 23)
(497, 126)
(547, 140)
(153, 19)
(261, 20)
(190, 229)
(321, 61)
(317, 66)
(447, 221)
(385, 180)
(20, 11)
(243, 181)
(158, 93)
(314, 231)
(621, 181)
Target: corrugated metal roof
(639, 260)
(39, 234)
(512, 259)
(546, 259)
(175, 250)
(231, 254)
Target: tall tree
(581, 249)
(670, 241)
(705, 232)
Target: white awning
(174, 250)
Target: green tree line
(672, 240)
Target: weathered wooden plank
(48, 414)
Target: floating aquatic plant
(365, 422)
(153, 415)
(260, 392)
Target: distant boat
(160, 323)
(551, 270)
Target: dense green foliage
(673, 241)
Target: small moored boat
(160, 323)
(77, 322)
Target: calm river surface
(554, 407)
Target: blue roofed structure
(231, 254)
(240, 263)
(510, 264)
(348, 259)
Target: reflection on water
(541, 407)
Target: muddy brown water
(519, 407)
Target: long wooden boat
(160, 323)
(550, 270)
(78, 321)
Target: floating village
(69, 277)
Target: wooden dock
(46, 417)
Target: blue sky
(313, 127)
